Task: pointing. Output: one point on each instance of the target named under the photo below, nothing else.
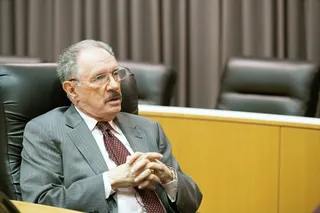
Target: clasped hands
(141, 170)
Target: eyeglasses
(104, 78)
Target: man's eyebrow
(116, 69)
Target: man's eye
(116, 73)
(100, 77)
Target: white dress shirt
(126, 197)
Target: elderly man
(92, 157)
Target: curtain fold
(194, 37)
(7, 30)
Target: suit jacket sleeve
(41, 175)
(188, 196)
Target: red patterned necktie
(118, 153)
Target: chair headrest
(155, 82)
(18, 60)
(270, 86)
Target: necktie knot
(104, 126)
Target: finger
(145, 157)
(138, 165)
(149, 182)
(145, 184)
(143, 175)
(150, 187)
(156, 166)
(139, 156)
(153, 156)
(154, 178)
(132, 158)
(163, 166)
(160, 162)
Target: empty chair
(155, 82)
(272, 86)
(27, 91)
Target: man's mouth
(115, 98)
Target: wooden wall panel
(235, 164)
(299, 170)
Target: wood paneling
(235, 164)
(300, 170)
(246, 162)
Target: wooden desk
(246, 162)
(25, 207)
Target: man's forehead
(106, 65)
(96, 58)
(94, 54)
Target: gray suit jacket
(62, 164)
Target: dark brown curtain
(194, 36)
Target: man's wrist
(172, 175)
(113, 184)
(107, 185)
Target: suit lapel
(136, 138)
(84, 141)
(140, 142)
(86, 144)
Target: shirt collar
(91, 122)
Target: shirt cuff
(171, 189)
(107, 186)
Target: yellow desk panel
(235, 164)
(299, 170)
(25, 207)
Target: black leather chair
(27, 91)
(270, 86)
(19, 60)
(155, 82)
(6, 206)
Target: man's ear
(69, 88)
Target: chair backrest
(27, 91)
(272, 86)
(18, 60)
(155, 82)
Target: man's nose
(113, 84)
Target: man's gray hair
(67, 62)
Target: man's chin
(114, 107)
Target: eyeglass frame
(92, 80)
